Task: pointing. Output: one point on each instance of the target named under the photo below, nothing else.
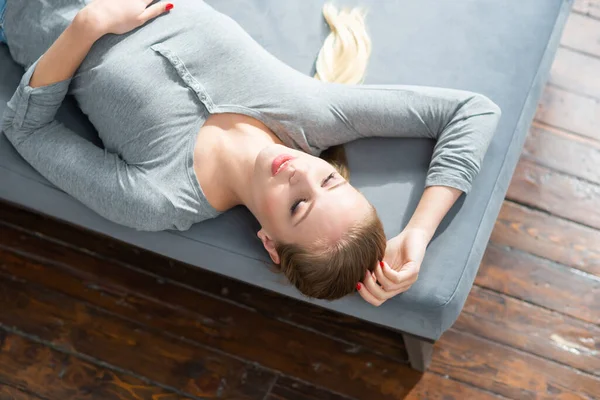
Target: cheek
(271, 204)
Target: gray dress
(148, 93)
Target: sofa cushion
(500, 49)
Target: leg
(419, 351)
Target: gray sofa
(503, 49)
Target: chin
(262, 165)
(262, 168)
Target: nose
(298, 174)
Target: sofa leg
(419, 352)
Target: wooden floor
(86, 317)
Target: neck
(232, 158)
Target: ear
(269, 244)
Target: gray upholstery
(501, 49)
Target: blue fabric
(2, 7)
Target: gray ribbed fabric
(148, 93)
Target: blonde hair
(346, 51)
(343, 59)
(332, 272)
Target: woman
(196, 118)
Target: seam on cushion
(51, 185)
(553, 33)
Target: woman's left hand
(119, 17)
(400, 268)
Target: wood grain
(556, 193)
(341, 367)
(587, 7)
(55, 375)
(529, 329)
(509, 372)
(582, 33)
(120, 255)
(431, 386)
(11, 393)
(570, 111)
(541, 282)
(548, 236)
(286, 388)
(563, 152)
(79, 328)
(435, 386)
(587, 80)
(532, 329)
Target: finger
(407, 273)
(373, 287)
(412, 273)
(403, 289)
(394, 282)
(395, 279)
(154, 11)
(381, 278)
(412, 268)
(368, 297)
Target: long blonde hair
(343, 59)
(332, 272)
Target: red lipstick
(278, 162)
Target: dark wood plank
(563, 152)
(437, 387)
(286, 388)
(556, 193)
(570, 111)
(541, 282)
(548, 236)
(431, 386)
(55, 375)
(119, 254)
(587, 7)
(341, 367)
(77, 327)
(11, 393)
(532, 329)
(582, 33)
(585, 81)
(167, 319)
(509, 372)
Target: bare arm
(435, 202)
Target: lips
(278, 163)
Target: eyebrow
(313, 203)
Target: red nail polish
(169, 6)
(381, 263)
(358, 286)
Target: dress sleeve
(461, 122)
(99, 179)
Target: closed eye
(294, 206)
(330, 177)
(340, 183)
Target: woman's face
(302, 199)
